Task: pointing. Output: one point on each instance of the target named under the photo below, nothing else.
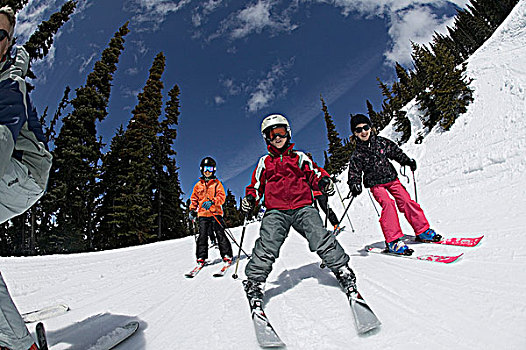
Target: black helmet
(208, 161)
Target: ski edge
(443, 259)
(45, 313)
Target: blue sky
(237, 61)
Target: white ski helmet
(273, 121)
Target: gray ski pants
(275, 228)
(13, 331)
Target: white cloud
(202, 11)
(417, 25)
(86, 61)
(408, 20)
(262, 92)
(153, 12)
(132, 71)
(219, 100)
(256, 18)
(232, 87)
(269, 88)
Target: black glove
(412, 164)
(247, 203)
(326, 186)
(356, 189)
(192, 215)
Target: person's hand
(247, 203)
(192, 215)
(206, 205)
(412, 164)
(326, 186)
(21, 64)
(356, 189)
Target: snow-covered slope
(470, 181)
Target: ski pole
(414, 182)
(402, 172)
(234, 276)
(230, 234)
(327, 212)
(194, 226)
(374, 205)
(346, 209)
(343, 205)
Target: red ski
(462, 242)
(444, 259)
(195, 271)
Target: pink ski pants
(389, 218)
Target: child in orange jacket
(206, 202)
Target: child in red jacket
(284, 177)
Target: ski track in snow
(470, 180)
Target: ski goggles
(209, 168)
(280, 131)
(362, 128)
(4, 34)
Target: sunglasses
(280, 131)
(362, 128)
(4, 34)
(209, 168)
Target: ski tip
(455, 258)
(132, 325)
(369, 329)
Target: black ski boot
(428, 236)
(254, 290)
(347, 279)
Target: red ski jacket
(285, 179)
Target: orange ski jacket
(208, 190)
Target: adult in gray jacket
(24, 163)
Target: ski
(106, 342)
(195, 271)
(364, 318)
(445, 259)
(116, 336)
(265, 334)
(223, 270)
(458, 241)
(44, 313)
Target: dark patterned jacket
(372, 158)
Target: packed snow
(470, 181)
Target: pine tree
(72, 189)
(337, 158)
(109, 187)
(50, 132)
(168, 193)
(41, 40)
(233, 216)
(451, 90)
(446, 93)
(134, 214)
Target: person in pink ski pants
(372, 160)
